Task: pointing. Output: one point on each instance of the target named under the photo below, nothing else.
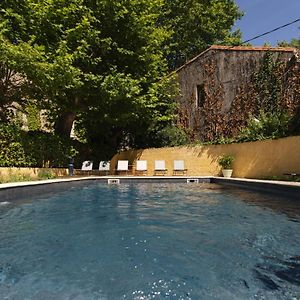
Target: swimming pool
(150, 241)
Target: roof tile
(240, 48)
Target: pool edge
(11, 191)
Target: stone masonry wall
(223, 72)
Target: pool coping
(286, 188)
(11, 191)
(102, 178)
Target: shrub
(33, 149)
(168, 136)
(226, 161)
(16, 177)
(46, 174)
(12, 152)
(266, 126)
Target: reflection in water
(278, 203)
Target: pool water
(150, 241)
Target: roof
(252, 48)
(239, 48)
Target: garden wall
(252, 159)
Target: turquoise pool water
(150, 241)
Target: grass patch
(20, 177)
(43, 174)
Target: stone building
(212, 82)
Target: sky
(261, 16)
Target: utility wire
(268, 32)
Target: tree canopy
(103, 64)
(293, 43)
(198, 24)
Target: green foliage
(293, 43)
(17, 178)
(32, 149)
(226, 161)
(294, 124)
(33, 117)
(45, 174)
(269, 119)
(166, 136)
(18, 63)
(267, 82)
(20, 177)
(129, 118)
(11, 150)
(221, 141)
(102, 64)
(198, 24)
(266, 126)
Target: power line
(268, 32)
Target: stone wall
(224, 72)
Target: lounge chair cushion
(179, 165)
(122, 165)
(160, 165)
(87, 165)
(141, 165)
(104, 166)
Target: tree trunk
(64, 123)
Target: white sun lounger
(122, 166)
(141, 167)
(160, 167)
(87, 166)
(179, 168)
(104, 167)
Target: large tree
(103, 63)
(198, 24)
(85, 44)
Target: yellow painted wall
(252, 159)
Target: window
(200, 95)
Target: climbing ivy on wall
(291, 96)
(268, 84)
(268, 105)
(213, 120)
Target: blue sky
(263, 15)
